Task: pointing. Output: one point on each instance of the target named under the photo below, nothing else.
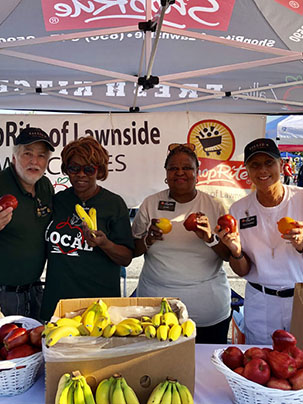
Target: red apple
(3, 352)
(8, 201)
(5, 329)
(16, 337)
(190, 222)
(35, 335)
(266, 351)
(257, 370)
(297, 380)
(232, 357)
(252, 353)
(21, 351)
(281, 384)
(281, 364)
(282, 340)
(239, 370)
(228, 222)
(296, 353)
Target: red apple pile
(18, 342)
(280, 367)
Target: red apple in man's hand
(282, 340)
(252, 353)
(281, 384)
(281, 364)
(232, 357)
(8, 201)
(190, 222)
(296, 353)
(227, 222)
(297, 380)
(257, 370)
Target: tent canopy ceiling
(241, 56)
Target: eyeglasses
(76, 169)
(173, 146)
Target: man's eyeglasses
(76, 169)
(173, 146)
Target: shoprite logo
(184, 14)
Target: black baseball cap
(262, 145)
(33, 135)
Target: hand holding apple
(8, 201)
(228, 222)
(190, 222)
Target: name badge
(167, 205)
(246, 222)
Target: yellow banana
(84, 216)
(167, 396)
(61, 385)
(157, 393)
(145, 324)
(99, 326)
(188, 327)
(88, 394)
(122, 330)
(174, 332)
(185, 394)
(169, 318)
(64, 393)
(60, 332)
(48, 328)
(102, 391)
(129, 394)
(130, 321)
(93, 215)
(103, 307)
(78, 393)
(176, 399)
(70, 394)
(87, 310)
(137, 329)
(90, 317)
(109, 330)
(156, 319)
(150, 331)
(78, 318)
(68, 321)
(162, 332)
(145, 318)
(117, 396)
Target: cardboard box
(143, 369)
(296, 327)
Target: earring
(165, 180)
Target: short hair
(182, 149)
(89, 150)
(18, 147)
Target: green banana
(157, 393)
(64, 393)
(93, 215)
(84, 216)
(176, 399)
(167, 396)
(103, 390)
(78, 393)
(61, 385)
(117, 396)
(88, 394)
(59, 332)
(185, 394)
(70, 394)
(129, 394)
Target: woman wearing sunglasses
(81, 262)
(185, 264)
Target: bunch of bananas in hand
(90, 219)
(73, 389)
(170, 391)
(115, 390)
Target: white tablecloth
(211, 386)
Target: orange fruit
(285, 224)
(164, 224)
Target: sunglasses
(173, 146)
(76, 169)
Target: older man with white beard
(22, 245)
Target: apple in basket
(5, 329)
(252, 353)
(282, 340)
(296, 353)
(282, 365)
(276, 383)
(297, 380)
(232, 357)
(257, 370)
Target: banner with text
(137, 144)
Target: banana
(176, 399)
(162, 332)
(68, 321)
(169, 318)
(145, 318)
(61, 384)
(150, 331)
(70, 394)
(102, 391)
(109, 330)
(157, 393)
(174, 332)
(64, 393)
(167, 396)
(59, 332)
(117, 396)
(93, 215)
(129, 394)
(83, 331)
(185, 394)
(130, 321)
(84, 216)
(188, 327)
(78, 393)
(156, 319)
(137, 329)
(99, 326)
(167, 307)
(91, 317)
(88, 394)
(78, 318)
(87, 310)
(122, 330)
(145, 324)
(48, 328)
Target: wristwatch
(215, 241)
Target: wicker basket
(21, 373)
(248, 392)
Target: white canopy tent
(290, 133)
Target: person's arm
(153, 234)
(5, 216)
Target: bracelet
(237, 258)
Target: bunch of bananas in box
(73, 389)
(170, 391)
(115, 390)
